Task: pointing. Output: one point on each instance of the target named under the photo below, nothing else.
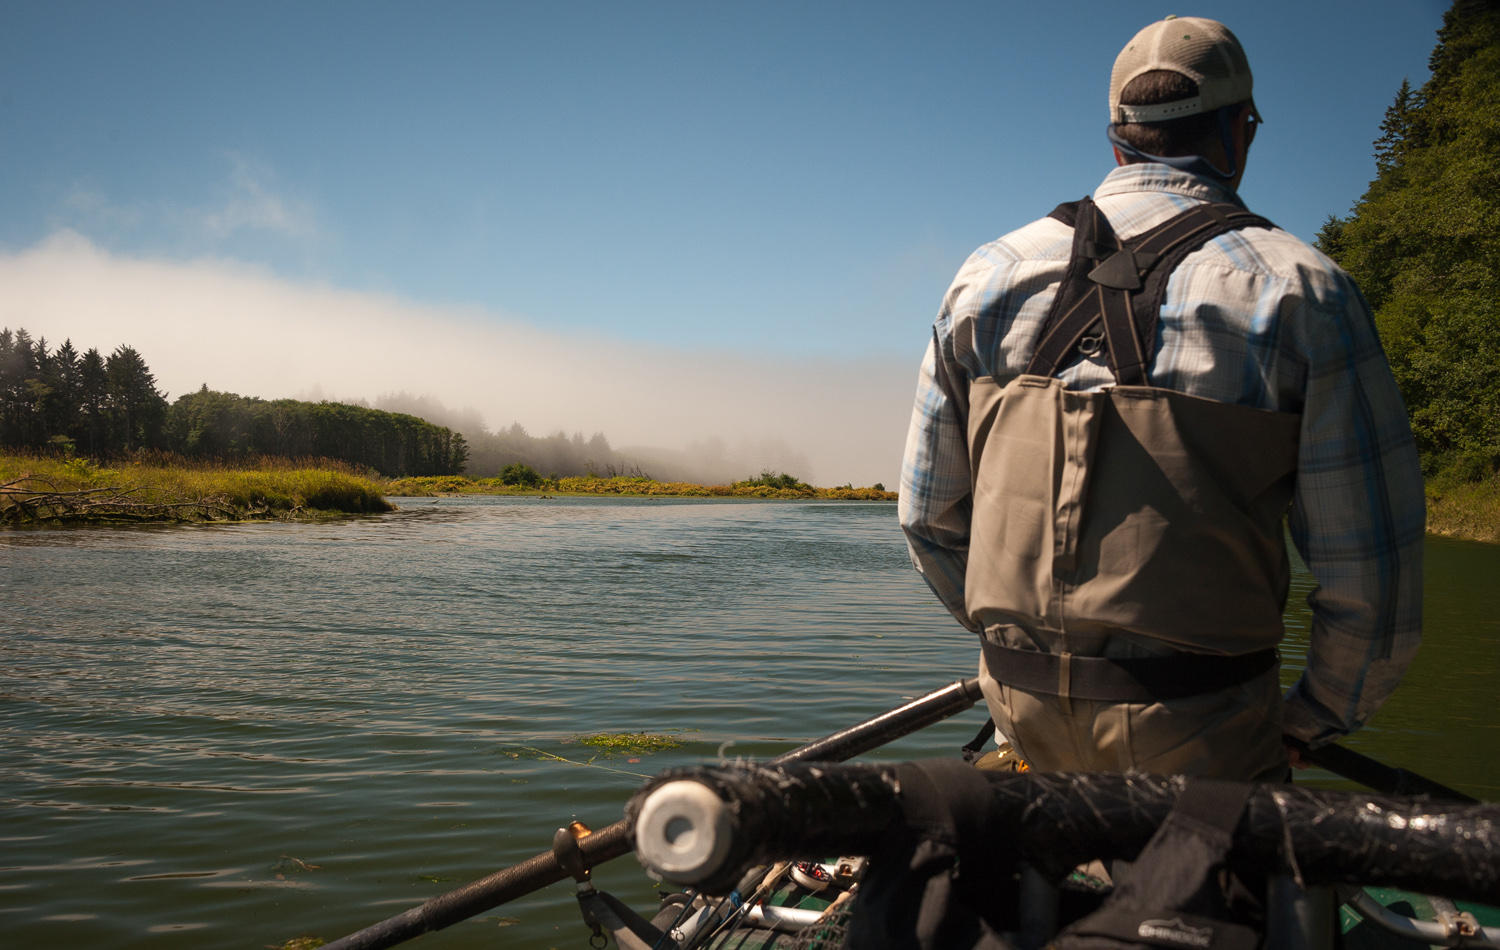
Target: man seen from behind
(1122, 405)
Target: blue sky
(789, 180)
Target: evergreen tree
(41, 392)
(93, 401)
(102, 405)
(1396, 130)
(18, 370)
(62, 376)
(135, 404)
(1424, 244)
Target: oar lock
(569, 855)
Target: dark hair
(1191, 135)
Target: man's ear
(1244, 133)
(1119, 159)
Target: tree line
(491, 452)
(1424, 245)
(553, 454)
(102, 406)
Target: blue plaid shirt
(1255, 318)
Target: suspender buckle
(1119, 272)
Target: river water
(231, 736)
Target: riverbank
(54, 491)
(1466, 510)
(624, 486)
(61, 491)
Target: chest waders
(1126, 544)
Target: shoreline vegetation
(155, 488)
(522, 480)
(159, 488)
(1469, 511)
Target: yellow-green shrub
(259, 491)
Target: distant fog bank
(708, 462)
(694, 414)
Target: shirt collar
(1151, 176)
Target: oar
(609, 843)
(1357, 767)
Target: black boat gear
(1180, 894)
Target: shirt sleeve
(935, 499)
(1358, 519)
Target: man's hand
(1294, 758)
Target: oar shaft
(1357, 767)
(518, 880)
(888, 726)
(609, 843)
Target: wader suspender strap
(1110, 298)
(1120, 285)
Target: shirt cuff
(1305, 718)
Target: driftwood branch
(33, 499)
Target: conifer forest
(63, 401)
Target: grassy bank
(620, 485)
(39, 490)
(1469, 510)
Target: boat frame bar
(1453, 928)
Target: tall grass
(1462, 509)
(243, 488)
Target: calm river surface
(231, 736)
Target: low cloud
(244, 330)
(251, 202)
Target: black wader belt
(1148, 679)
(1112, 292)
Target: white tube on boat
(683, 831)
(782, 918)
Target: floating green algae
(634, 743)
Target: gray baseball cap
(1203, 50)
